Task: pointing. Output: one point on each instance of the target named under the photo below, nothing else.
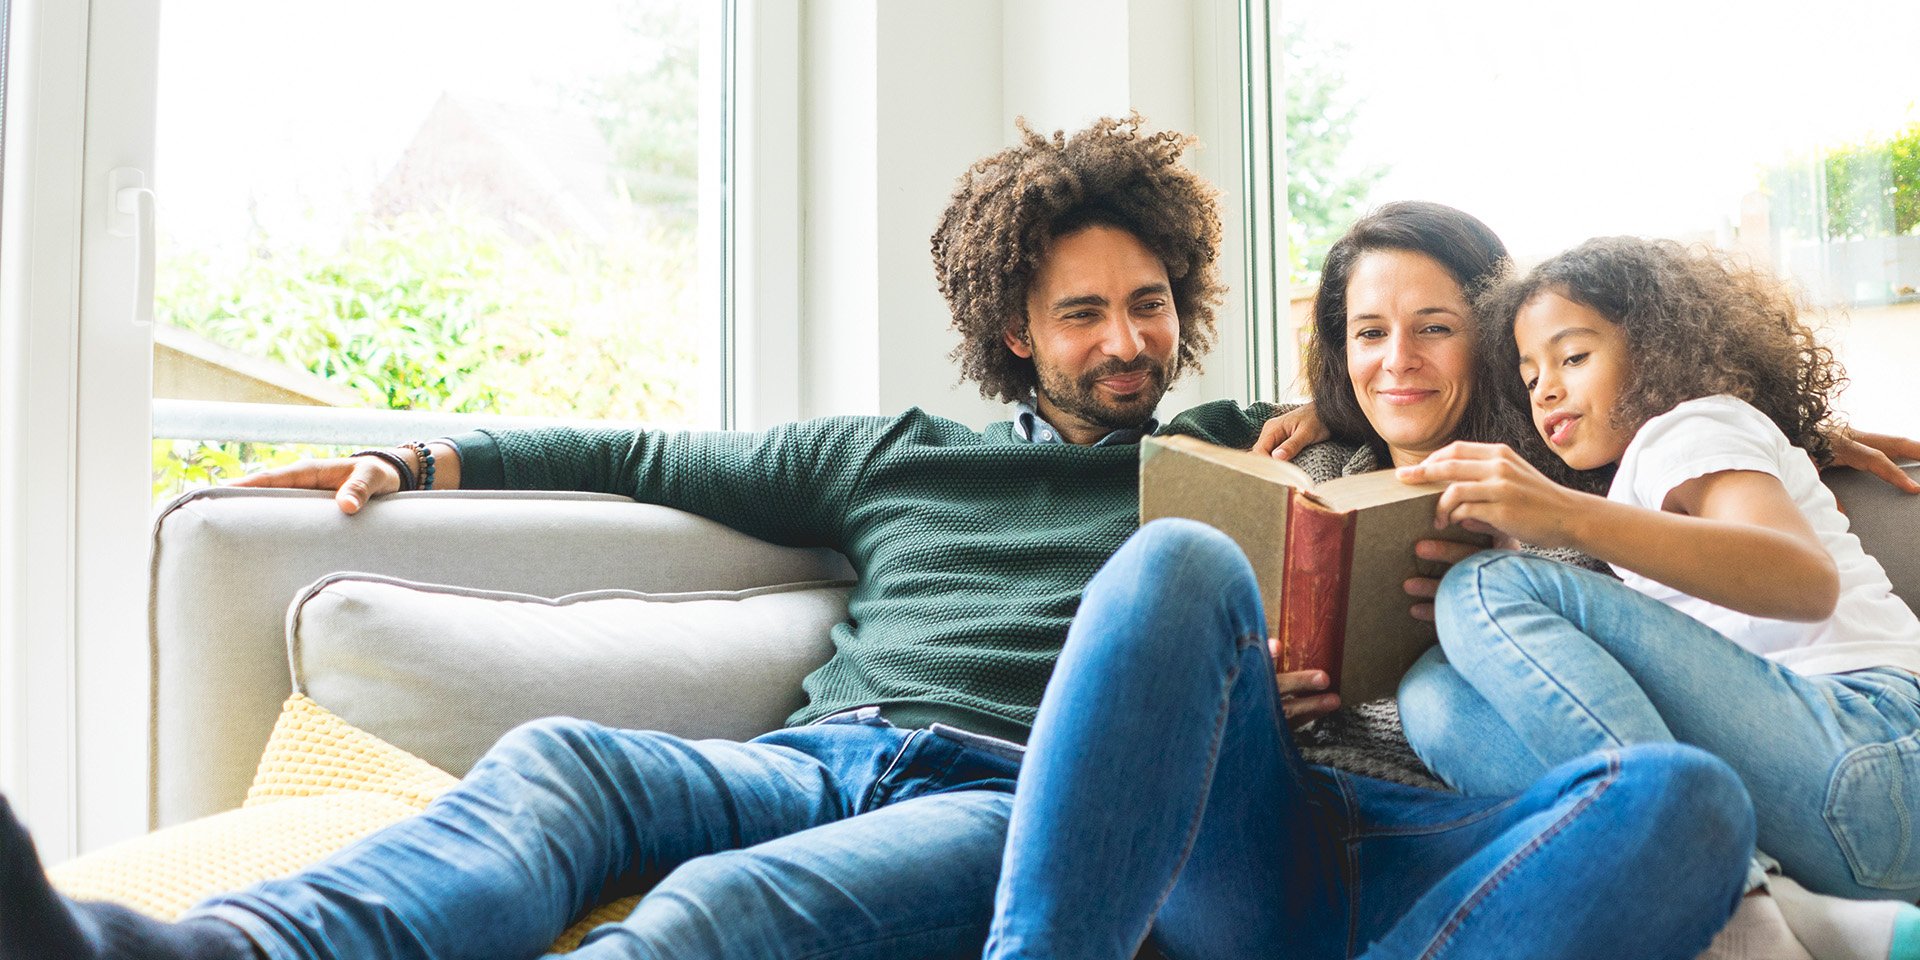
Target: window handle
(131, 215)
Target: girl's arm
(1733, 538)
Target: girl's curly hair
(1698, 323)
(1009, 207)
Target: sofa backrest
(227, 562)
(1887, 523)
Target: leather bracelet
(425, 457)
(395, 461)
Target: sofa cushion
(443, 671)
(321, 785)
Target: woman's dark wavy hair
(1471, 253)
(1698, 323)
(1009, 207)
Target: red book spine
(1313, 588)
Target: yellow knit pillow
(322, 784)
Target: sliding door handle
(131, 215)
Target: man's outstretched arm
(355, 480)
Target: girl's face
(1575, 365)
(1409, 350)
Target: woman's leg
(1161, 786)
(1574, 662)
(1634, 853)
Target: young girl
(1747, 620)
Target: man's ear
(1016, 340)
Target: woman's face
(1409, 350)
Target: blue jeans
(855, 839)
(846, 839)
(1163, 796)
(1539, 661)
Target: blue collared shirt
(1028, 425)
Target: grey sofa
(227, 564)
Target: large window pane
(1787, 130)
(473, 207)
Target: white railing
(336, 426)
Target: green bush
(1850, 192)
(447, 311)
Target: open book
(1331, 558)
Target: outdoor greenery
(450, 310)
(1850, 192)
(446, 311)
(1326, 189)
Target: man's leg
(914, 879)
(1161, 786)
(1636, 853)
(560, 815)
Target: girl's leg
(1161, 787)
(1458, 734)
(1636, 853)
(1574, 662)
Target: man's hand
(1423, 589)
(1875, 453)
(353, 480)
(1302, 692)
(1284, 436)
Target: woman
(1164, 674)
(1158, 681)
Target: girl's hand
(1284, 436)
(1875, 453)
(1492, 490)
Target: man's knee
(562, 747)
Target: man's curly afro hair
(1009, 207)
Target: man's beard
(1083, 397)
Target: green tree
(1326, 188)
(650, 112)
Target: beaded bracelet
(393, 460)
(425, 454)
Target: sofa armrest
(1886, 521)
(227, 562)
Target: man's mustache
(1113, 368)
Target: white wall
(898, 97)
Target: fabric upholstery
(227, 561)
(321, 785)
(444, 671)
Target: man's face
(1101, 331)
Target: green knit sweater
(972, 548)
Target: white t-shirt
(1870, 627)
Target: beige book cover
(1331, 558)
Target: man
(1081, 274)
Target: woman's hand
(1492, 490)
(353, 480)
(1424, 589)
(1870, 453)
(1303, 696)
(1284, 436)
